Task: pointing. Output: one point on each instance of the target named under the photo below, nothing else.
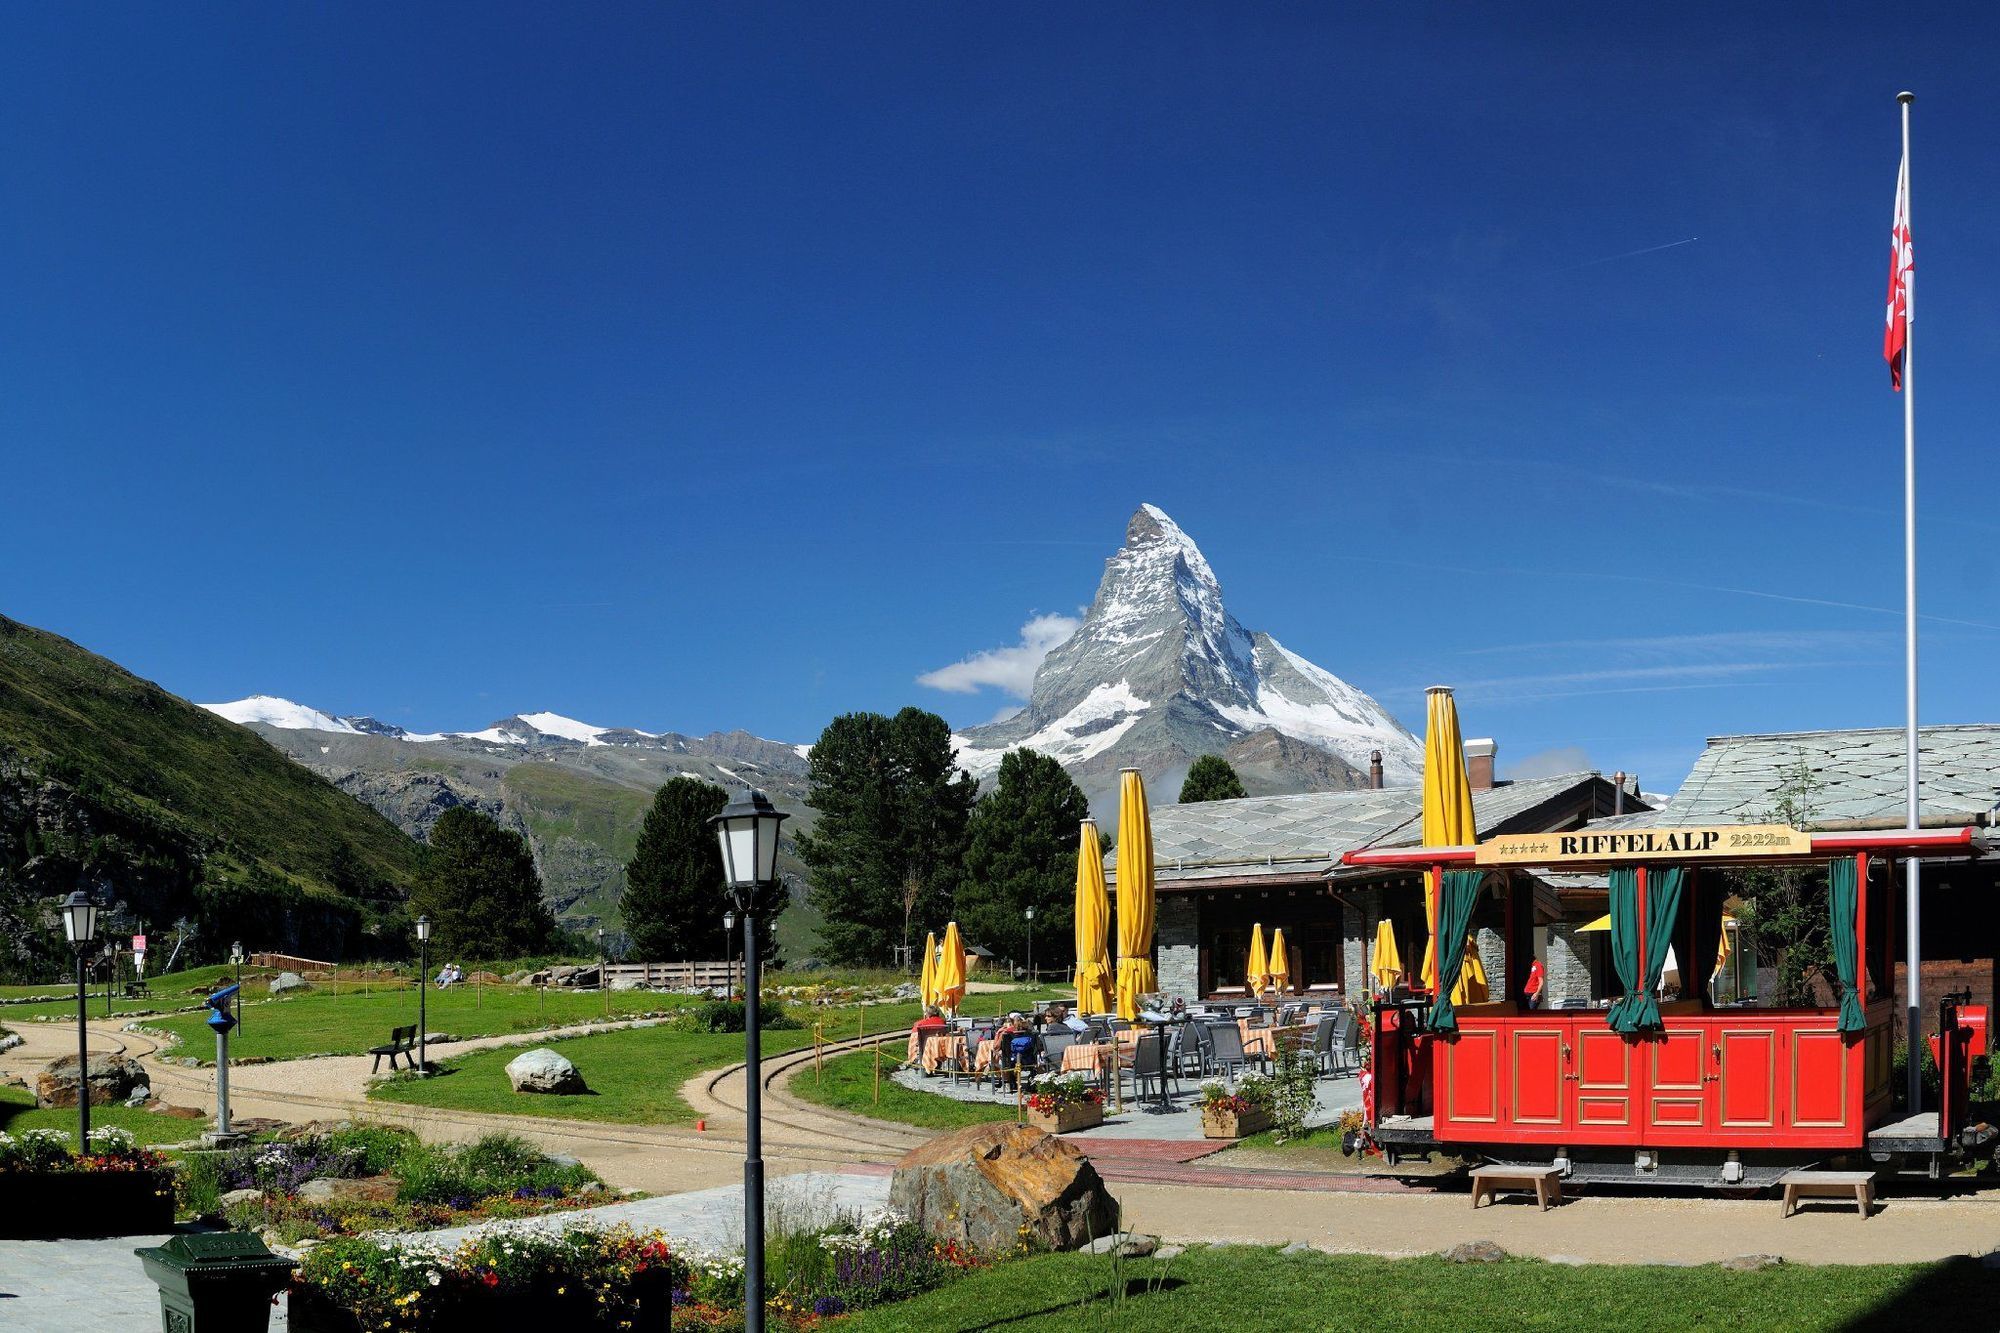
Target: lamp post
(1030, 914)
(748, 831)
(79, 914)
(423, 989)
(729, 953)
(236, 957)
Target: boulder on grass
(112, 1078)
(287, 983)
(990, 1186)
(542, 1070)
(367, 1189)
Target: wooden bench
(402, 1041)
(1545, 1181)
(1856, 1185)
(138, 990)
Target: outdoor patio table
(1087, 1058)
(1267, 1042)
(940, 1050)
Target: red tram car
(1679, 1091)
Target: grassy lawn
(1248, 1290)
(18, 1113)
(325, 1023)
(635, 1075)
(169, 992)
(847, 1083)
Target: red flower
(490, 1278)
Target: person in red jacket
(1533, 990)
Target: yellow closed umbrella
(1471, 988)
(1448, 819)
(951, 968)
(1388, 958)
(1093, 922)
(1280, 968)
(1722, 947)
(1135, 894)
(927, 982)
(1257, 972)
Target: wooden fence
(673, 976)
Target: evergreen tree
(1020, 853)
(1210, 778)
(480, 889)
(674, 900)
(884, 854)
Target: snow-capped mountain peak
(1160, 672)
(281, 713)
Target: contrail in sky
(1630, 254)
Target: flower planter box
(1068, 1119)
(46, 1205)
(1229, 1125)
(311, 1311)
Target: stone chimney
(1375, 771)
(1479, 764)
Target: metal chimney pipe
(1618, 792)
(1375, 771)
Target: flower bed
(1064, 1104)
(115, 1188)
(1237, 1112)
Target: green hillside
(105, 775)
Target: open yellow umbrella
(1448, 819)
(1257, 972)
(927, 981)
(1602, 923)
(1388, 963)
(1135, 894)
(951, 968)
(1093, 921)
(1280, 968)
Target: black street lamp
(748, 831)
(236, 957)
(1030, 914)
(423, 989)
(79, 914)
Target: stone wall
(1567, 970)
(1176, 937)
(1357, 937)
(1493, 956)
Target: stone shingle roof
(1737, 779)
(1308, 834)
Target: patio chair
(1322, 1044)
(1053, 1046)
(1229, 1056)
(1184, 1049)
(1149, 1065)
(1348, 1044)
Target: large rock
(367, 1189)
(990, 1186)
(542, 1070)
(287, 982)
(113, 1078)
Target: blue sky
(708, 366)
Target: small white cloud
(1011, 670)
(1550, 763)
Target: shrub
(497, 1166)
(376, 1148)
(727, 1016)
(1292, 1094)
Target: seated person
(932, 1024)
(443, 977)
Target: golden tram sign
(1729, 841)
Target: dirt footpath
(1605, 1228)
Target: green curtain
(1842, 896)
(1663, 908)
(1457, 896)
(1624, 946)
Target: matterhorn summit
(1160, 673)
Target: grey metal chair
(1149, 1065)
(1229, 1055)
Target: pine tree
(673, 900)
(885, 850)
(480, 889)
(1021, 852)
(1210, 778)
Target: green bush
(497, 1166)
(198, 1184)
(1899, 1075)
(377, 1148)
(727, 1016)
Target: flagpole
(1912, 945)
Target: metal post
(222, 1080)
(423, 995)
(82, 1061)
(1912, 910)
(753, 1139)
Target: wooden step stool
(1857, 1185)
(1545, 1181)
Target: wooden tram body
(1722, 1095)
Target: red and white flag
(1902, 262)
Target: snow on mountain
(283, 713)
(1159, 672)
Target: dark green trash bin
(218, 1282)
